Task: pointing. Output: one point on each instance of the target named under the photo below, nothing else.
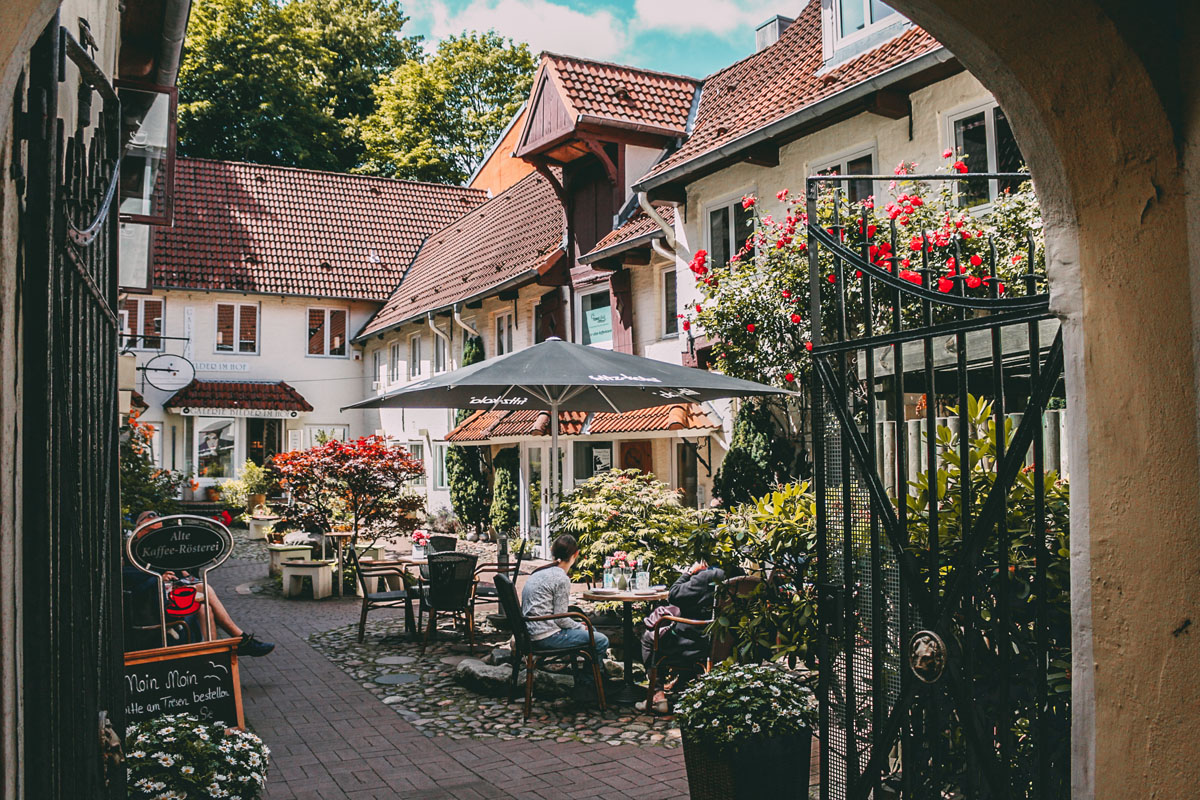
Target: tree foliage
(286, 83)
(364, 482)
(436, 118)
(505, 513)
(759, 456)
(144, 486)
(466, 467)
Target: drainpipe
(441, 335)
(175, 20)
(462, 323)
(652, 213)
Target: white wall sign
(262, 413)
(222, 366)
(188, 326)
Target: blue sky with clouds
(690, 37)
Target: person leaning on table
(138, 583)
(548, 591)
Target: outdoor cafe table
(629, 692)
(340, 538)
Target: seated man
(548, 591)
(691, 597)
(137, 583)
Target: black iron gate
(68, 424)
(942, 534)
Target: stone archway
(1103, 101)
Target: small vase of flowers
(420, 541)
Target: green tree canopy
(286, 83)
(437, 118)
(466, 467)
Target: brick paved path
(330, 738)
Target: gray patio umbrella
(560, 376)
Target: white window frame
(988, 109)
(423, 479)
(724, 201)
(416, 357)
(869, 28)
(579, 317)
(842, 160)
(237, 328)
(393, 368)
(328, 310)
(669, 315)
(441, 352)
(378, 367)
(136, 331)
(441, 480)
(512, 326)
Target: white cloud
(544, 25)
(722, 18)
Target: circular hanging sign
(927, 656)
(169, 373)
(179, 543)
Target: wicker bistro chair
(375, 599)
(451, 590)
(487, 592)
(523, 645)
(721, 646)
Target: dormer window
(854, 19)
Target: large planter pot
(256, 500)
(775, 767)
(213, 494)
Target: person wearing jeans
(548, 591)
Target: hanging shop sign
(257, 413)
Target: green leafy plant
(467, 468)
(759, 456)
(776, 536)
(144, 485)
(505, 511)
(628, 510)
(178, 756)
(738, 704)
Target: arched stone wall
(1102, 100)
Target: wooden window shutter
(622, 311)
(550, 316)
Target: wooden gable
(548, 120)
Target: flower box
(775, 767)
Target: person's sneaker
(251, 646)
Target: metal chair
(523, 645)
(487, 592)
(441, 543)
(372, 600)
(720, 647)
(451, 590)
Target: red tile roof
(279, 230)
(504, 241)
(484, 425)
(239, 394)
(623, 94)
(638, 230)
(780, 80)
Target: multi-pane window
(669, 303)
(394, 363)
(327, 332)
(439, 467)
(237, 328)
(417, 451)
(504, 333)
(142, 322)
(856, 17)
(729, 226)
(595, 318)
(414, 356)
(984, 141)
(440, 352)
(857, 164)
(377, 378)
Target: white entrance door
(536, 504)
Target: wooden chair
(523, 645)
(377, 599)
(451, 590)
(720, 647)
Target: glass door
(536, 504)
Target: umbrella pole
(553, 476)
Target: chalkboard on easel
(200, 679)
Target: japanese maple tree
(364, 482)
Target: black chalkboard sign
(179, 543)
(200, 679)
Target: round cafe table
(629, 692)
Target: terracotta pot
(257, 500)
(213, 494)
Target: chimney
(769, 32)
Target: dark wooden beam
(508, 295)
(610, 168)
(668, 193)
(890, 103)
(763, 155)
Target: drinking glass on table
(642, 577)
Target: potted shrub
(747, 733)
(178, 755)
(258, 482)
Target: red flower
(858, 273)
(831, 278)
(950, 264)
(686, 326)
(781, 194)
(976, 261)
(808, 346)
(959, 166)
(699, 309)
(1001, 287)
(974, 282)
(750, 327)
(796, 319)
(748, 201)
(945, 284)
(910, 276)
(786, 294)
(790, 378)
(947, 153)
